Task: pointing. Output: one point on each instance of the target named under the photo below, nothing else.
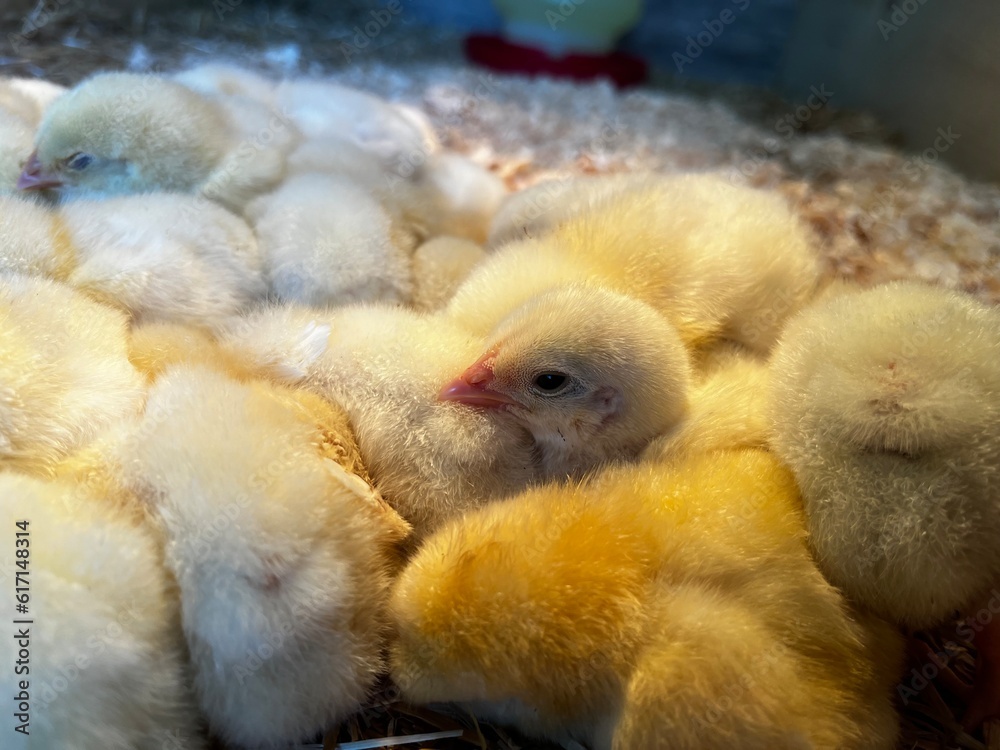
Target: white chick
(282, 555)
(720, 262)
(650, 607)
(446, 421)
(106, 656)
(321, 110)
(440, 266)
(18, 120)
(326, 241)
(64, 371)
(222, 79)
(468, 196)
(159, 256)
(125, 133)
(886, 405)
(164, 257)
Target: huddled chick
(440, 265)
(23, 101)
(886, 405)
(671, 606)
(281, 550)
(64, 372)
(327, 241)
(719, 261)
(126, 133)
(108, 668)
(446, 421)
(159, 256)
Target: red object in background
(499, 54)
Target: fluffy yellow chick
(282, 554)
(719, 261)
(327, 241)
(158, 256)
(64, 371)
(651, 607)
(886, 405)
(535, 211)
(447, 421)
(125, 133)
(468, 196)
(727, 407)
(104, 658)
(440, 265)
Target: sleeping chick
(446, 421)
(720, 262)
(649, 607)
(327, 241)
(282, 554)
(468, 196)
(159, 256)
(125, 133)
(64, 372)
(886, 405)
(440, 266)
(107, 661)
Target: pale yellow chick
(651, 607)
(126, 133)
(281, 551)
(64, 372)
(104, 657)
(719, 261)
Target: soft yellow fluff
(718, 261)
(652, 607)
(886, 405)
(440, 265)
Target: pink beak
(472, 387)
(33, 178)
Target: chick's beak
(33, 177)
(472, 388)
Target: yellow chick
(64, 371)
(281, 551)
(158, 256)
(327, 241)
(468, 196)
(103, 658)
(719, 261)
(126, 133)
(446, 421)
(650, 607)
(440, 265)
(886, 405)
(727, 407)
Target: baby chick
(22, 103)
(650, 607)
(446, 421)
(282, 554)
(468, 196)
(107, 662)
(327, 241)
(125, 133)
(222, 79)
(886, 405)
(720, 262)
(64, 371)
(440, 266)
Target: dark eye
(550, 382)
(79, 161)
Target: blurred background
(920, 66)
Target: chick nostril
(479, 377)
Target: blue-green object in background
(560, 27)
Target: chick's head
(886, 405)
(591, 374)
(123, 133)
